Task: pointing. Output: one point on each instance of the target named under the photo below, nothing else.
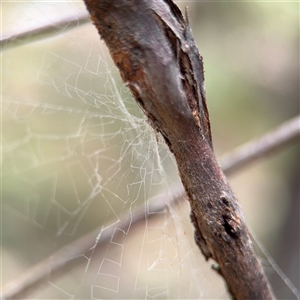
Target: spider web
(78, 154)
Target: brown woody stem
(152, 45)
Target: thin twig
(29, 280)
(267, 144)
(43, 31)
(253, 150)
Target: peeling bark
(152, 45)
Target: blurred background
(77, 153)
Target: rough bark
(152, 45)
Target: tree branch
(253, 150)
(42, 32)
(29, 281)
(152, 45)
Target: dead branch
(152, 45)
